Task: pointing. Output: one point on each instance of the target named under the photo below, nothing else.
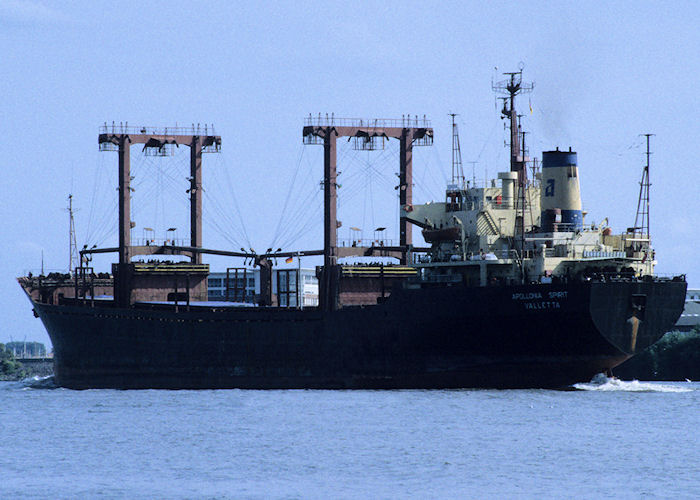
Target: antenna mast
(473, 164)
(641, 220)
(510, 88)
(72, 246)
(457, 171)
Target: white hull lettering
(551, 304)
(527, 296)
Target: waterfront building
(244, 286)
(690, 318)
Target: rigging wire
(221, 219)
(311, 223)
(371, 194)
(100, 212)
(155, 180)
(287, 198)
(232, 193)
(298, 221)
(300, 217)
(220, 225)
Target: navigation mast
(457, 171)
(72, 246)
(641, 220)
(510, 88)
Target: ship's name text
(538, 295)
(542, 305)
(537, 300)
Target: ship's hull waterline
(541, 335)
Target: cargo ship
(515, 289)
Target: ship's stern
(633, 315)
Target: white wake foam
(602, 383)
(37, 382)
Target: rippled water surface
(606, 439)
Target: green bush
(675, 357)
(10, 368)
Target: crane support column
(329, 284)
(124, 144)
(155, 143)
(367, 134)
(405, 187)
(196, 197)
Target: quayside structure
(514, 288)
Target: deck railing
(331, 120)
(125, 128)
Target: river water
(608, 439)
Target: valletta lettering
(535, 300)
(542, 305)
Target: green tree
(10, 368)
(675, 357)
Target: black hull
(448, 337)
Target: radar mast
(73, 262)
(510, 88)
(642, 233)
(457, 171)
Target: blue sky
(604, 73)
